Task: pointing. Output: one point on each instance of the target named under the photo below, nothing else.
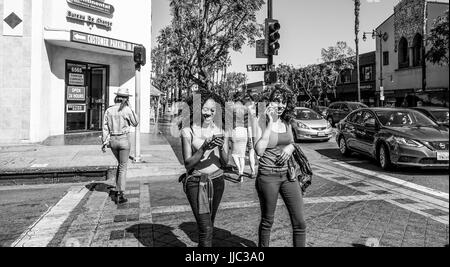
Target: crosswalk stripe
(44, 229)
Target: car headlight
(302, 126)
(407, 142)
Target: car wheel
(343, 147)
(384, 158)
(330, 120)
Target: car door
(358, 130)
(370, 127)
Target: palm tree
(357, 12)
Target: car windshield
(307, 115)
(356, 106)
(403, 118)
(442, 116)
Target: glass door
(97, 97)
(76, 96)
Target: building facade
(347, 87)
(404, 68)
(61, 61)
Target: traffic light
(272, 44)
(270, 77)
(140, 55)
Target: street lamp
(383, 37)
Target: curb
(56, 175)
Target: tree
(232, 84)
(309, 78)
(205, 31)
(439, 35)
(358, 78)
(337, 59)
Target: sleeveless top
(277, 142)
(210, 163)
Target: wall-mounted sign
(94, 6)
(86, 38)
(76, 108)
(76, 93)
(89, 19)
(76, 79)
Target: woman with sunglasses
(275, 147)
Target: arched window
(417, 50)
(403, 57)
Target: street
(351, 203)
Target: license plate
(442, 156)
(321, 134)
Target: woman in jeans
(117, 124)
(275, 147)
(205, 151)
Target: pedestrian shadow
(155, 235)
(102, 187)
(221, 237)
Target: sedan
(308, 125)
(402, 137)
(437, 114)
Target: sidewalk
(61, 158)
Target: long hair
(123, 101)
(288, 96)
(195, 107)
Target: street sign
(260, 46)
(257, 67)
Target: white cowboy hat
(125, 92)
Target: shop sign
(94, 5)
(76, 108)
(76, 79)
(89, 19)
(86, 38)
(76, 93)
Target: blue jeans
(120, 146)
(269, 184)
(205, 222)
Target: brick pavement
(344, 208)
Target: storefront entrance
(86, 96)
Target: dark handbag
(300, 170)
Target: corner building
(61, 61)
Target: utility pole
(138, 158)
(424, 46)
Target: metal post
(270, 16)
(137, 158)
(381, 64)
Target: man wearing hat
(117, 125)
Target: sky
(307, 26)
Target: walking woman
(239, 137)
(275, 147)
(117, 125)
(252, 123)
(205, 151)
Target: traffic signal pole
(270, 16)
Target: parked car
(437, 114)
(403, 137)
(339, 110)
(321, 110)
(310, 125)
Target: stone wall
(408, 20)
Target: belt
(274, 170)
(118, 135)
